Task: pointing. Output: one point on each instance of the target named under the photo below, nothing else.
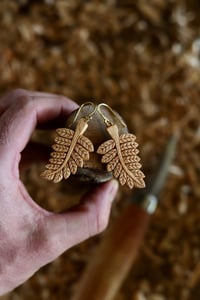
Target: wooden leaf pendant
(71, 149)
(120, 155)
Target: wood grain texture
(112, 260)
(93, 169)
(71, 149)
(120, 155)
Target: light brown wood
(120, 154)
(72, 156)
(71, 149)
(93, 170)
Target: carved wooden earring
(120, 154)
(71, 149)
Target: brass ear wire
(120, 153)
(71, 149)
(106, 120)
(88, 117)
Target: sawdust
(143, 59)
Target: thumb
(90, 218)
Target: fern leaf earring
(120, 154)
(71, 149)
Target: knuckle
(61, 98)
(18, 93)
(37, 240)
(21, 97)
(12, 98)
(102, 223)
(4, 136)
(98, 220)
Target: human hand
(30, 236)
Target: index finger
(20, 119)
(12, 97)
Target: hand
(30, 236)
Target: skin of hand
(30, 236)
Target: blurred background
(142, 58)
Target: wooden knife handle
(114, 257)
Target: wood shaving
(143, 60)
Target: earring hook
(88, 117)
(106, 120)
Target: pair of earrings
(72, 148)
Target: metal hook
(106, 120)
(88, 117)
